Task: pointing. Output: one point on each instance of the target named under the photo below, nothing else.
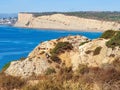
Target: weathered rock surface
(93, 53)
(37, 61)
(103, 57)
(60, 21)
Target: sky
(15, 6)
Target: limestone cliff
(39, 60)
(70, 51)
(61, 21)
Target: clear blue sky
(15, 6)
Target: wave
(16, 42)
(13, 53)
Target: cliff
(68, 63)
(65, 22)
(41, 58)
(70, 51)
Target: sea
(19, 42)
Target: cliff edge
(68, 63)
(65, 22)
(70, 51)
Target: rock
(37, 61)
(93, 53)
(61, 21)
(105, 56)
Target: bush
(97, 51)
(114, 41)
(108, 34)
(5, 67)
(83, 43)
(50, 71)
(61, 47)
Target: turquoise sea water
(19, 42)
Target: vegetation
(83, 43)
(84, 79)
(108, 34)
(50, 71)
(61, 47)
(10, 83)
(108, 16)
(6, 66)
(114, 38)
(114, 41)
(97, 50)
(116, 64)
(82, 69)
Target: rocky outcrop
(45, 56)
(38, 61)
(97, 54)
(60, 21)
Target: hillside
(65, 22)
(105, 16)
(71, 63)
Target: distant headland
(87, 21)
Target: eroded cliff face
(70, 51)
(23, 19)
(60, 21)
(39, 60)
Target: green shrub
(61, 47)
(5, 67)
(83, 43)
(97, 50)
(50, 71)
(108, 34)
(114, 41)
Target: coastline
(56, 29)
(64, 22)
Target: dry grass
(83, 79)
(10, 83)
